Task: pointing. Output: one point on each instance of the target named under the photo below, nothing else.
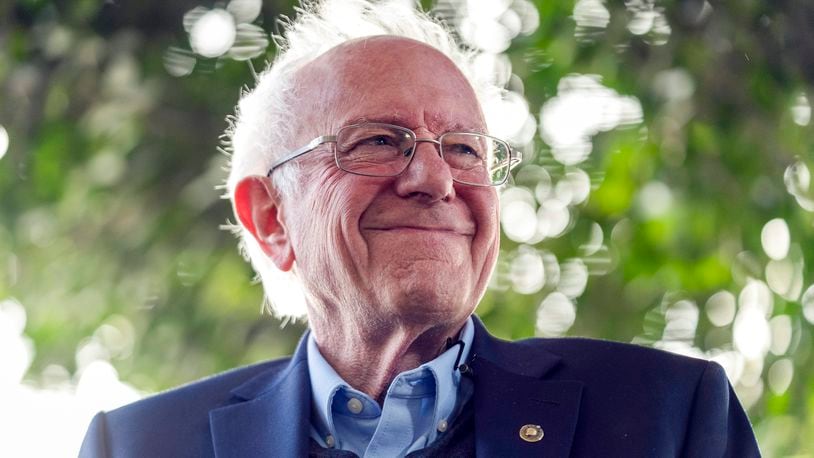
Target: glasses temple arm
(515, 157)
(312, 145)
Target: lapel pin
(531, 433)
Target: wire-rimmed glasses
(386, 150)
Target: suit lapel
(510, 393)
(271, 416)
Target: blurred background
(665, 196)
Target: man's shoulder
(200, 395)
(579, 345)
(583, 356)
(174, 422)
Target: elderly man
(367, 170)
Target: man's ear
(258, 207)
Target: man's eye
(469, 150)
(378, 140)
(462, 149)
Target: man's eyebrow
(402, 121)
(387, 119)
(458, 127)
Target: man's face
(415, 247)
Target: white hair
(262, 128)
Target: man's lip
(408, 227)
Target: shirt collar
(325, 382)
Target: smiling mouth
(423, 229)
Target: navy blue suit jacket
(592, 399)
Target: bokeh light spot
(552, 269)
(641, 23)
(519, 221)
(655, 200)
(106, 168)
(244, 10)
(507, 116)
(574, 188)
(213, 33)
(681, 321)
(785, 278)
(493, 68)
(250, 41)
(553, 218)
(179, 62)
(511, 20)
(529, 16)
(517, 214)
(573, 278)
(648, 21)
(775, 238)
(594, 242)
(674, 85)
(591, 14)
(797, 179)
(757, 296)
(191, 17)
(751, 333)
(780, 375)
(801, 110)
(556, 315)
(3, 141)
(781, 334)
(18, 350)
(720, 308)
(808, 304)
(527, 271)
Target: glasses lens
(374, 149)
(476, 159)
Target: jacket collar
(272, 411)
(271, 416)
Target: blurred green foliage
(109, 215)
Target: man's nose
(428, 176)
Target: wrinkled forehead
(386, 78)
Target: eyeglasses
(384, 150)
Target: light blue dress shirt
(420, 405)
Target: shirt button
(329, 441)
(442, 426)
(355, 405)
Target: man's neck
(369, 362)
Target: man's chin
(420, 252)
(428, 304)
